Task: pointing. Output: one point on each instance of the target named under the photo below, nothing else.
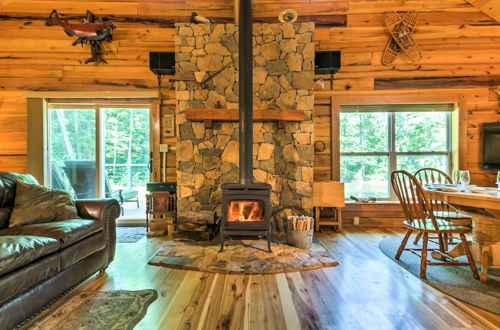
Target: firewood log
(198, 217)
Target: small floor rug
(100, 310)
(241, 257)
(455, 281)
(129, 234)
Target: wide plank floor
(366, 291)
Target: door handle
(150, 163)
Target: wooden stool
(328, 194)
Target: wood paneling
(459, 45)
(460, 54)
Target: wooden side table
(328, 194)
(161, 206)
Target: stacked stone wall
(207, 77)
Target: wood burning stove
(246, 211)
(246, 206)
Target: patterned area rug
(241, 257)
(129, 234)
(100, 310)
(456, 281)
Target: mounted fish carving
(89, 31)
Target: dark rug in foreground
(455, 281)
(129, 234)
(241, 257)
(100, 310)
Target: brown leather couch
(41, 262)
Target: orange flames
(245, 211)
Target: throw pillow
(38, 204)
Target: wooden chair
(442, 210)
(420, 218)
(328, 194)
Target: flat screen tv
(491, 146)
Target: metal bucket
(301, 239)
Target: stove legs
(221, 244)
(269, 244)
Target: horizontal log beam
(168, 21)
(434, 83)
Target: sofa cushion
(66, 232)
(8, 186)
(38, 204)
(82, 249)
(17, 251)
(23, 279)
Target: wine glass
(498, 180)
(465, 179)
(456, 177)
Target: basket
(301, 239)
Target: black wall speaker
(162, 63)
(327, 62)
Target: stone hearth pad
(241, 257)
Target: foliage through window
(124, 143)
(374, 141)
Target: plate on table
(444, 187)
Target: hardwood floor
(366, 291)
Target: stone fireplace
(207, 77)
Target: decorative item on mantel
(288, 16)
(197, 19)
(89, 31)
(401, 27)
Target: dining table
(483, 205)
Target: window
(376, 140)
(100, 151)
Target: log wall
(460, 48)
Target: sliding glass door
(101, 151)
(73, 151)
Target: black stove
(246, 206)
(246, 211)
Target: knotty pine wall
(460, 45)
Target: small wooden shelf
(209, 115)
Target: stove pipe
(246, 91)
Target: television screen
(491, 146)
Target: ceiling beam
(489, 7)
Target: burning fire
(245, 211)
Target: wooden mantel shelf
(210, 115)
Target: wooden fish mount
(89, 31)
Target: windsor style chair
(420, 218)
(442, 210)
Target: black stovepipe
(246, 91)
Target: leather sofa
(41, 262)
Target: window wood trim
(102, 102)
